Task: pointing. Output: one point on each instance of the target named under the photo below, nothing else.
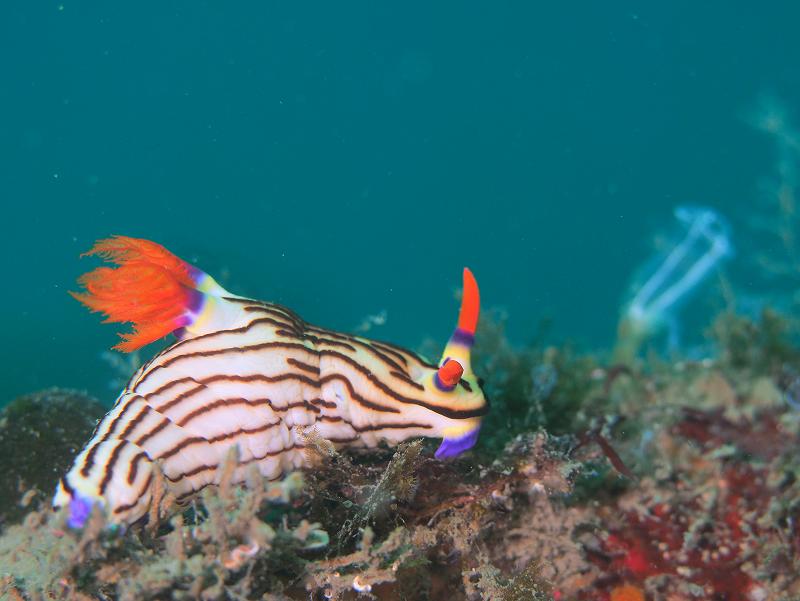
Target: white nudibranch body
(254, 376)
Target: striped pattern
(259, 384)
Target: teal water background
(349, 158)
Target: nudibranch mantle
(253, 375)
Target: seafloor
(660, 480)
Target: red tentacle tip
(450, 373)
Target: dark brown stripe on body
(331, 333)
(390, 426)
(181, 397)
(135, 421)
(232, 350)
(111, 428)
(142, 491)
(394, 352)
(148, 435)
(203, 468)
(236, 349)
(316, 340)
(367, 345)
(247, 402)
(108, 468)
(393, 365)
(312, 369)
(296, 320)
(197, 439)
(168, 385)
(240, 330)
(282, 322)
(67, 486)
(260, 378)
(401, 353)
(323, 403)
(351, 391)
(186, 442)
(446, 411)
(305, 380)
(407, 380)
(374, 427)
(331, 418)
(389, 346)
(288, 312)
(134, 468)
(88, 461)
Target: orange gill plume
(150, 288)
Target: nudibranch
(251, 375)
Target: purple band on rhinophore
(80, 508)
(462, 337)
(452, 447)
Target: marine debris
(704, 243)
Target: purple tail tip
(80, 508)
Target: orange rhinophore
(470, 304)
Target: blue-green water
(348, 158)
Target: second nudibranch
(251, 375)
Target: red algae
(707, 529)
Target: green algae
(533, 386)
(758, 346)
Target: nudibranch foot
(80, 508)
